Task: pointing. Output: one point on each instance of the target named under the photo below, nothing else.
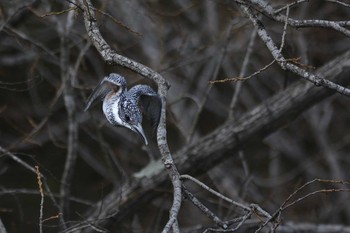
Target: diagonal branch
(318, 80)
(230, 137)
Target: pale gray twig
(242, 73)
(220, 58)
(204, 209)
(204, 186)
(41, 215)
(286, 65)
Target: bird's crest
(113, 82)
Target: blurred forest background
(48, 67)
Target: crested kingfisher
(124, 107)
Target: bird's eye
(127, 118)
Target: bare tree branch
(71, 107)
(230, 137)
(111, 57)
(276, 53)
(238, 179)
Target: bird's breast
(111, 110)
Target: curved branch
(111, 57)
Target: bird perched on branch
(124, 107)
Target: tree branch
(204, 154)
(318, 80)
(111, 57)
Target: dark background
(189, 43)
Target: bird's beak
(138, 129)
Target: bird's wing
(148, 101)
(110, 83)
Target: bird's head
(132, 119)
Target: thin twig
(204, 209)
(312, 194)
(118, 22)
(241, 220)
(40, 184)
(284, 31)
(285, 204)
(236, 79)
(17, 159)
(242, 74)
(36, 192)
(227, 199)
(338, 2)
(244, 219)
(290, 5)
(59, 12)
(224, 225)
(220, 57)
(265, 37)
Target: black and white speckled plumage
(124, 108)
